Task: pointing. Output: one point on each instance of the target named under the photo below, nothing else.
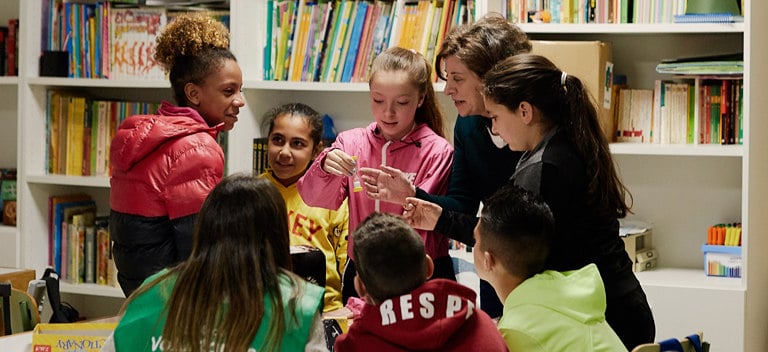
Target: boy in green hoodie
(544, 310)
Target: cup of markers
(724, 235)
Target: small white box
(646, 260)
(722, 260)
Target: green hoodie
(559, 311)
(141, 327)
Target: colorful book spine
(267, 59)
(354, 42)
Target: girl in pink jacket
(407, 133)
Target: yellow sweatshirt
(320, 228)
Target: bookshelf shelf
(306, 86)
(687, 278)
(92, 290)
(6, 230)
(661, 28)
(93, 82)
(8, 81)
(676, 149)
(316, 86)
(85, 181)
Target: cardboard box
(71, 337)
(722, 261)
(591, 62)
(19, 278)
(635, 243)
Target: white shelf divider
(92, 289)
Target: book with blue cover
(354, 42)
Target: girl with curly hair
(164, 165)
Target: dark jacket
(479, 168)
(585, 233)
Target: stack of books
(730, 64)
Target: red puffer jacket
(163, 167)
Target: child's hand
(339, 163)
(387, 184)
(421, 214)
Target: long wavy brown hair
(482, 44)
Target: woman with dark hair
(549, 115)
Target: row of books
(260, 163)
(699, 111)
(79, 131)
(8, 195)
(79, 242)
(9, 48)
(593, 11)
(336, 41)
(725, 64)
(107, 41)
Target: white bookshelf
(735, 151)
(681, 189)
(652, 28)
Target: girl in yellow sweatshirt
(294, 141)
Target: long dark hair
(565, 102)
(240, 251)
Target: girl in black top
(538, 109)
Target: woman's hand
(387, 184)
(421, 214)
(339, 163)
